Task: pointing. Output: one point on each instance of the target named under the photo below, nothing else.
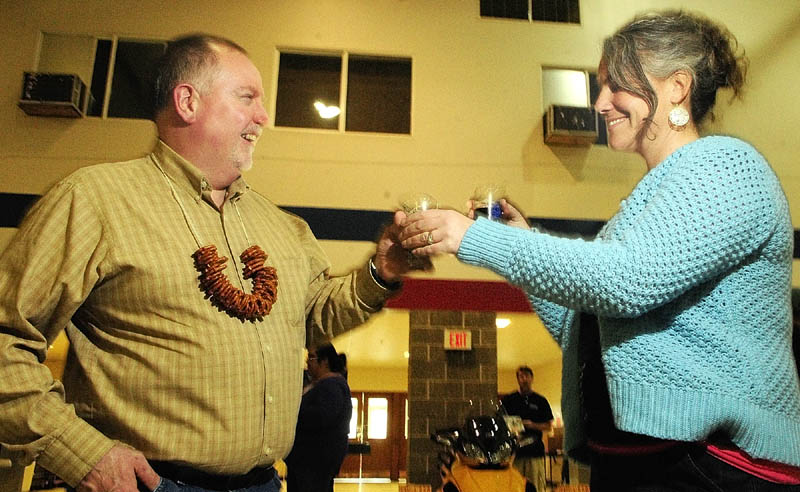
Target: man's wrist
(373, 270)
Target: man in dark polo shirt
(537, 418)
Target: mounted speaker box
(570, 125)
(53, 94)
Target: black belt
(211, 481)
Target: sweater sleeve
(552, 315)
(701, 215)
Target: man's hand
(391, 260)
(120, 470)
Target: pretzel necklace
(215, 284)
(232, 300)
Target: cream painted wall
(476, 98)
(366, 379)
(477, 103)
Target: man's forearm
(542, 426)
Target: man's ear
(681, 86)
(186, 100)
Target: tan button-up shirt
(106, 254)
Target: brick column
(442, 383)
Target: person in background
(343, 370)
(320, 443)
(174, 380)
(675, 321)
(537, 418)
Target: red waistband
(764, 469)
(639, 448)
(770, 471)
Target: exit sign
(457, 340)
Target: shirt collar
(189, 178)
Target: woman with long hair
(675, 321)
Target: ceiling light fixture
(502, 322)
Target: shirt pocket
(293, 283)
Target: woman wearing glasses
(320, 443)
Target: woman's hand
(434, 232)
(511, 215)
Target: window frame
(344, 56)
(114, 39)
(533, 5)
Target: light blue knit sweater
(691, 284)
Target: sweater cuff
(489, 244)
(75, 452)
(370, 291)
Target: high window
(117, 71)
(533, 10)
(344, 92)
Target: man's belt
(211, 481)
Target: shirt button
(268, 348)
(269, 398)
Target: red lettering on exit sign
(457, 340)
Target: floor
(365, 487)
(353, 485)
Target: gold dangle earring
(678, 118)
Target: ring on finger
(429, 238)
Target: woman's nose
(603, 102)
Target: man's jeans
(167, 485)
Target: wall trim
(341, 224)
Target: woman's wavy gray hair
(661, 43)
